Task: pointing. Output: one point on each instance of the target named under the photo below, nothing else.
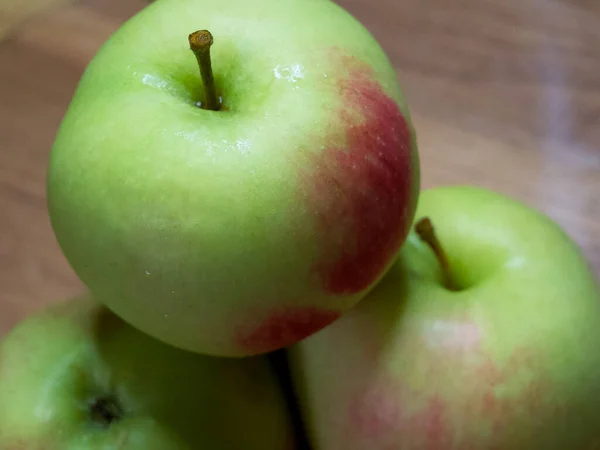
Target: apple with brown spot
(483, 336)
(237, 210)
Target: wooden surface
(14, 12)
(504, 94)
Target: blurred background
(504, 94)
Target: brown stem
(426, 232)
(200, 42)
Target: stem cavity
(106, 411)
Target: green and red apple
(238, 231)
(77, 377)
(506, 360)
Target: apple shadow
(280, 363)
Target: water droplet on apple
(154, 81)
(243, 147)
(293, 73)
(147, 272)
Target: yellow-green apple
(499, 354)
(76, 377)
(242, 227)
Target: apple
(499, 352)
(235, 209)
(76, 377)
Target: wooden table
(504, 94)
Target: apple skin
(510, 361)
(241, 231)
(56, 362)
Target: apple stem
(426, 232)
(200, 43)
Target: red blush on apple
(362, 194)
(283, 327)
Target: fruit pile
(243, 204)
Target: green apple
(244, 229)
(76, 377)
(506, 360)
